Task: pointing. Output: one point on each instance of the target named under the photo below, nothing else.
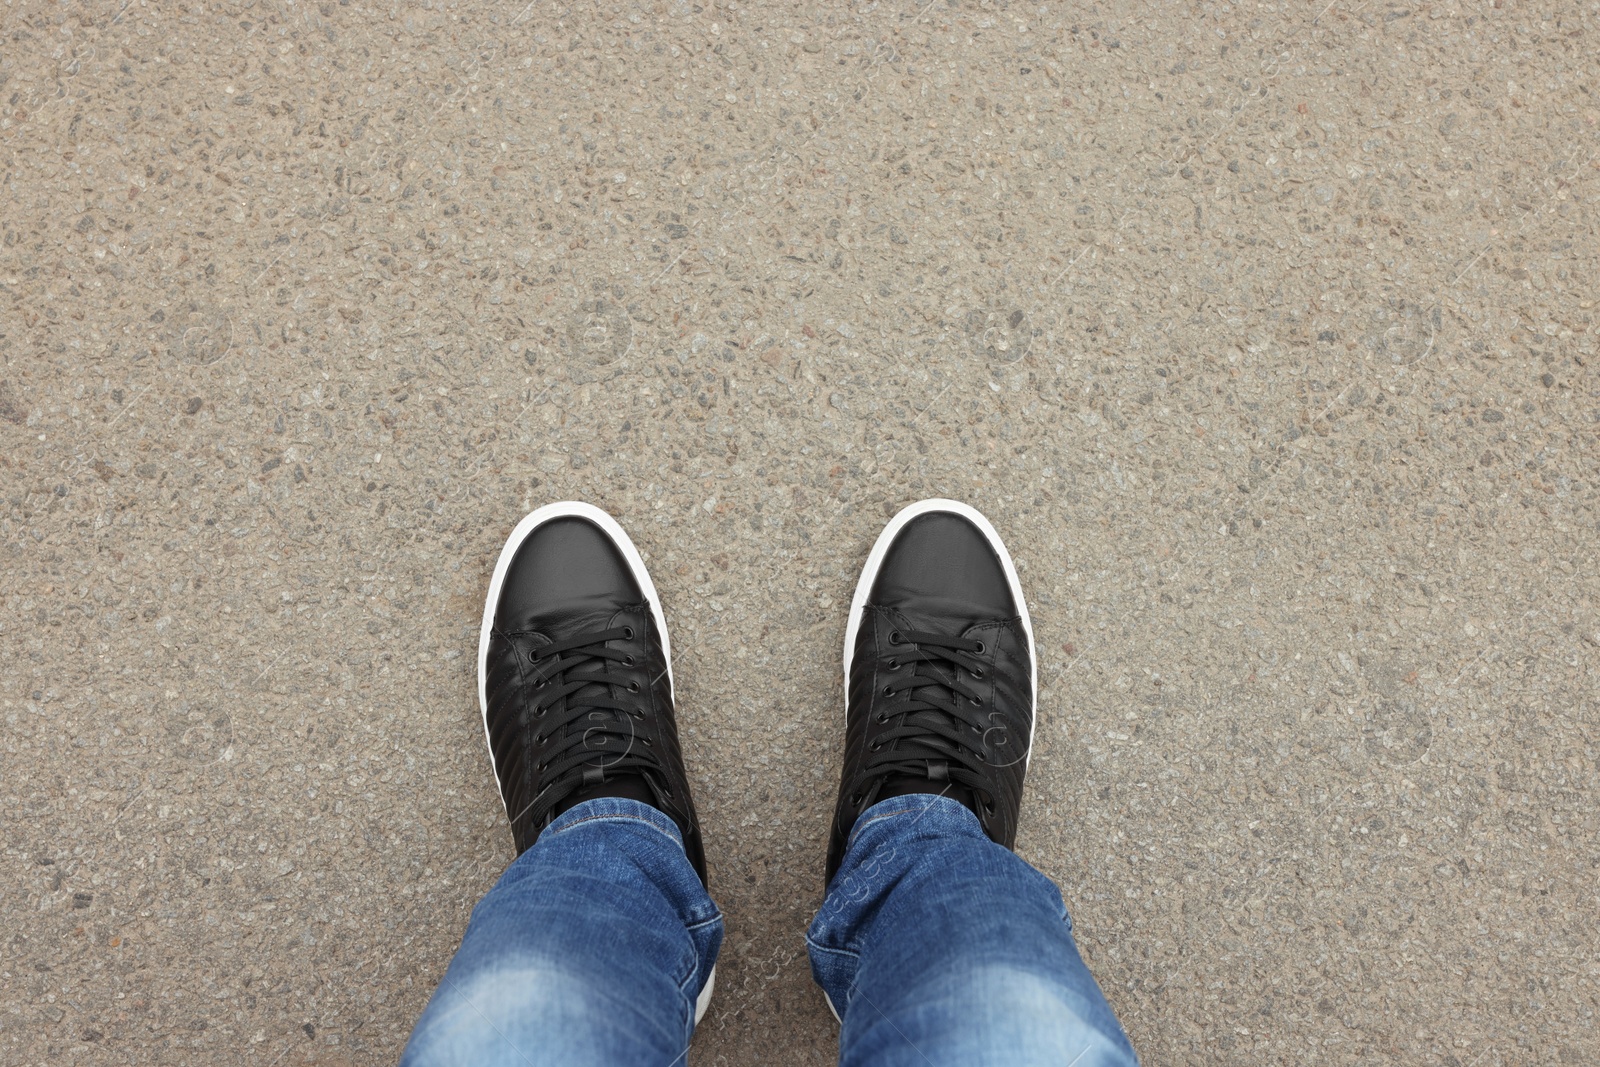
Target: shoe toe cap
(941, 563)
(567, 568)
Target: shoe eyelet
(977, 702)
(628, 661)
(855, 800)
(888, 691)
(627, 633)
(875, 747)
(894, 665)
(977, 672)
(880, 719)
(894, 637)
(982, 648)
(633, 687)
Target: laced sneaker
(575, 676)
(939, 672)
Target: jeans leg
(591, 950)
(938, 947)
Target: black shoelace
(941, 731)
(593, 713)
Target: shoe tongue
(628, 786)
(905, 784)
(933, 671)
(587, 622)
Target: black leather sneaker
(939, 672)
(575, 676)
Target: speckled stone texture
(1265, 333)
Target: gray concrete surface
(1264, 332)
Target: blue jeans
(935, 945)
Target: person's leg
(598, 946)
(936, 944)
(593, 948)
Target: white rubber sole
(869, 576)
(569, 509)
(703, 1001)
